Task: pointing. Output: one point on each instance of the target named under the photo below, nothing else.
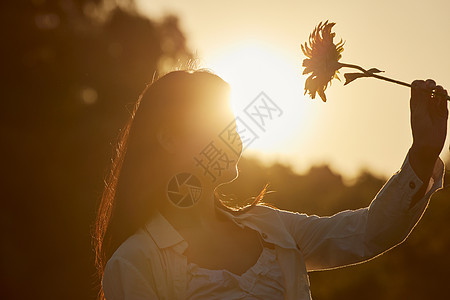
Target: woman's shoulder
(267, 208)
(286, 216)
(266, 213)
(136, 249)
(130, 269)
(264, 207)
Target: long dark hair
(125, 204)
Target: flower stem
(369, 74)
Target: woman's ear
(167, 139)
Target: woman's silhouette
(162, 231)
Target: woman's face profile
(206, 142)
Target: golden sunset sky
(255, 46)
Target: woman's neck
(202, 214)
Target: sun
(255, 68)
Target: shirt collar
(260, 218)
(164, 234)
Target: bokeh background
(71, 70)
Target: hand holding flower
(429, 116)
(428, 104)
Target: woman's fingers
(419, 94)
(430, 83)
(440, 101)
(416, 84)
(428, 97)
(423, 91)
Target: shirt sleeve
(123, 281)
(354, 236)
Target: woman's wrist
(422, 161)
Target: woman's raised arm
(354, 236)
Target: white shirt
(150, 264)
(264, 280)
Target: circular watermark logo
(184, 190)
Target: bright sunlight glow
(251, 68)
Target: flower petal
(322, 95)
(322, 59)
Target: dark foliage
(70, 70)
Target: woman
(162, 231)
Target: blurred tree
(69, 71)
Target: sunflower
(322, 62)
(322, 59)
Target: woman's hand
(429, 115)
